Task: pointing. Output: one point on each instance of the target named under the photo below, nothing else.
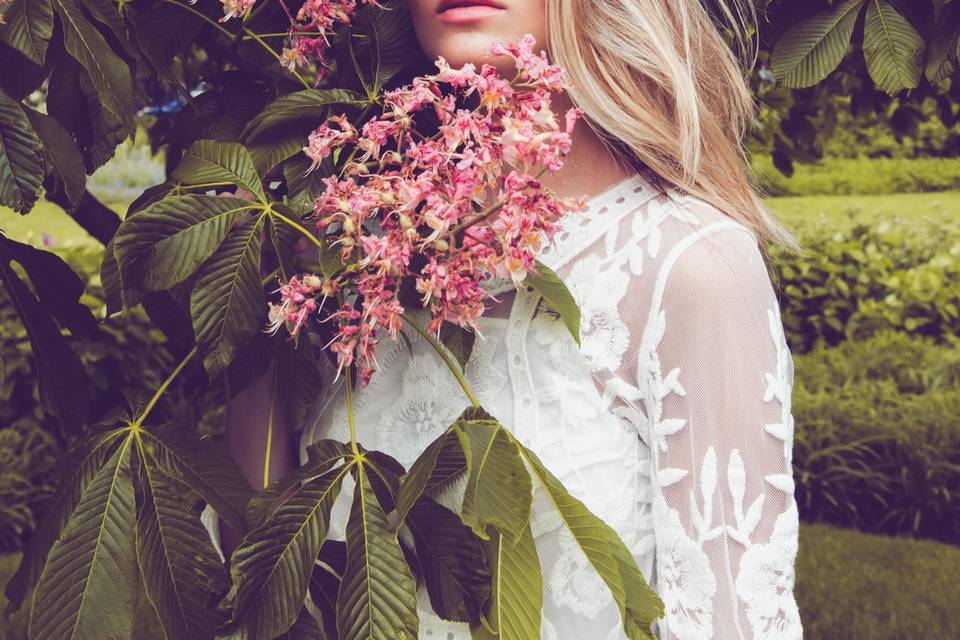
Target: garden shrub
(853, 176)
(852, 283)
(877, 441)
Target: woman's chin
(460, 48)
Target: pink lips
(463, 11)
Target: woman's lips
(463, 12)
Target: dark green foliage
(877, 442)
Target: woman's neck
(590, 168)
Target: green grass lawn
(850, 586)
(844, 211)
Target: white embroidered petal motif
(766, 579)
(685, 579)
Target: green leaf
(107, 12)
(639, 605)
(440, 462)
(941, 56)
(299, 380)
(57, 287)
(387, 34)
(451, 561)
(555, 293)
(274, 149)
(29, 27)
(227, 304)
(168, 241)
(516, 599)
(272, 566)
(209, 161)
(180, 566)
(205, 467)
(458, 340)
(21, 160)
(62, 154)
(377, 597)
(108, 73)
(323, 456)
(60, 374)
(88, 586)
(305, 628)
(300, 106)
(110, 279)
(499, 488)
(80, 466)
(814, 47)
(892, 47)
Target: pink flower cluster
(446, 211)
(307, 41)
(307, 38)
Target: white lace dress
(671, 421)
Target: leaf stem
(266, 453)
(203, 17)
(444, 354)
(348, 395)
(298, 227)
(163, 387)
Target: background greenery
(871, 183)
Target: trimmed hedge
(899, 274)
(877, 441)
(854, 176)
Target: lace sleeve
(706, 377)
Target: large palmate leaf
(108, 73)
(180, 567)
(516, 599)
(302, 106)
(63, 155)
(451, 561)
(499, 489)
(79, 469)
(60, 374)
(88, 586)
(204, 466)
(272, 566)
(892, 47)
(165, 243)
(227, 304)
(29, 26)
(377, 598)
(272, 149)
(813, 48)
(557, 296)
(21, 160)
(639, 605)
(212, 162)
(440, 462)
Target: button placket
(526, 420)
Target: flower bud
(441, 244)
(344, 205)
(405, 221)
(348, 226)
(312, 281)
(387, 198)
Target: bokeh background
(871, 184)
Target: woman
(671, 421)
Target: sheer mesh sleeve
(706, 375)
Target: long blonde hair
(658, 82)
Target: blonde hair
(660, 85)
